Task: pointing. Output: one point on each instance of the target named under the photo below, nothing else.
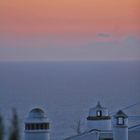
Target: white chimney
(120, 126)
(37, 126)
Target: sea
(67, 90)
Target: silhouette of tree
(1, 128)
(14, 129)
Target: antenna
(127, 107)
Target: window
(120, 121)
(41, 126)
(37, 126)
(99, 113)
(32, 126)
(46, 126)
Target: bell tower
(98, 118)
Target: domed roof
(36, 113)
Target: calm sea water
(66, 90)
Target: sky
(60, 30)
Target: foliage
(1, 128)
(14, 129)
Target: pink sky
(69, 23)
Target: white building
(37, 126)
(101, 126)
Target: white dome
(36, 113)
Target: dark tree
(1, 128)
(14, 129)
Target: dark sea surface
(66, 90)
